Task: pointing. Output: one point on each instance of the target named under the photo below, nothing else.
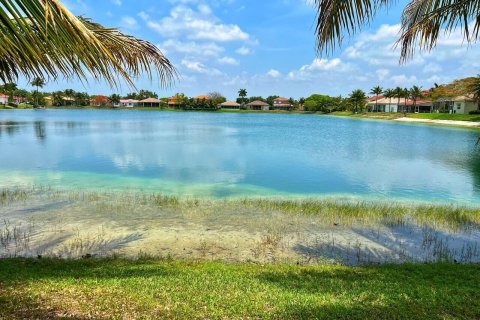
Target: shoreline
(469, 124)
(411, 118)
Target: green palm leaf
(41, 37)
(422, 21)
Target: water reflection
(283, 154)
(40, 130)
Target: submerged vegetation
(72, 224)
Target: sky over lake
(268, 47)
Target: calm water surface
(222, 154)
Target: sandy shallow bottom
(68, 227)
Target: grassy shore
(392, 116)
(169, 289)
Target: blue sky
(268, 47)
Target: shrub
(474, 112)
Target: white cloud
(198, 24)
(129, 22)
(274, 73)
(382, 74)
(404, 80)
(192, 48)
(243, 51)
(117, 2)
(199, 67)
(228, 60)
(322, 65)
(432, 68)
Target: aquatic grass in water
(249, 229)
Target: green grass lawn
(159, 289)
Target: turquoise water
(233, 154)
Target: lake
(238, 154)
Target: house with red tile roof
(382, 104)
(281, 103)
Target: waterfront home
(3, 99)
(128, 103)
(258, 105)
(463, 104)
(382, 104)
(281, 103)
(99, 101)
(15, 99)
(229, 105)
(173, 102)
(202, 98)
(151, 102)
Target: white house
(3, 99)
(463, 104)
(382, 104)
(129, 103)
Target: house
(281, 103)
(202, 98)
(463, 104)
(99, 101)
(258, 105)
(3, 98)
(48, 101)
(129, 103)
(229, 105)
(173, 102)
(382, 104)
(151, 102)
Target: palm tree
(398, 93)
(38, 83)
(242, 93)
(376, 91)
(406, 96)
(114, 99)
(422, 21)
(358, 98)
(10, 88)
(389, 93)
(415, 93)
(43, 38)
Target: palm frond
(42, 37)
(423, 21)
(336, 17)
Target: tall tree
(415, 93)
(358, 98)
(475, 88)
(114, 99)
(242, 93)
(37, 82)
(398, 93)
(422, 21)
(10, 88)
(389, 94)
(43, 38)
(376, 91)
